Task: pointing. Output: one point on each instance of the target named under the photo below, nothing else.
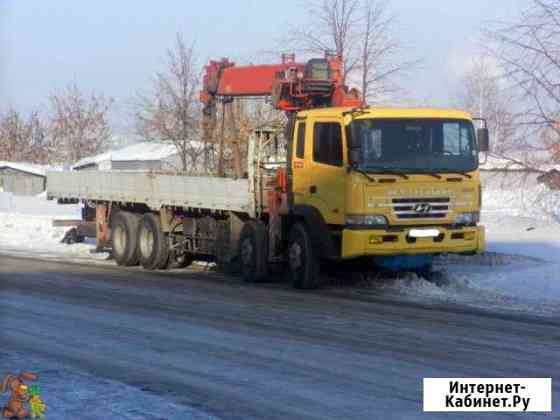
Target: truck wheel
(303, 263)
(153, 244)
(124, 238)
(253, 252)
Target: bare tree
(380, 63)
(239, 119)
(78, 124)
(485, 94)
(529, 52)
(361, 33)
(23, 139)
(332, 27)
(171, 112)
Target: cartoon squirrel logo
(19, 396)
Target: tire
(253, 252)
(303, 263)
(153, 246)
(124, 238)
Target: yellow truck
(395, 186)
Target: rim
(119, 240)
(295, 256)
(146, 242)
(247, 252)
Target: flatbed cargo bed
(152, 189)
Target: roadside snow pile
(26, 225)
(20, 234)
(520, 272)
(493, 281)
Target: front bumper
(359, 243)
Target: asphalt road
(260, 351)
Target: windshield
(419, 145)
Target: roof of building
(30, 168)
(145, 151)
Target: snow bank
(500, 282)
(34, 236)
(519, 273)
(26, 228)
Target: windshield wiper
(364, 173)
(435, 175)
(386, 171)
(457, 173)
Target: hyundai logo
(422, 208)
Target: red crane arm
(244, 81)
(292, 86)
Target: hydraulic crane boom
(292, 86)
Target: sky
(114, 47)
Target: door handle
(313, 189)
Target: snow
(145, 151)
(73, 394)
(26, 228)
(520, 271)
(32, 235)
(31, 168)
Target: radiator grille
(421, 208)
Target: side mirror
(483, 138)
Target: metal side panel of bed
(153, 189)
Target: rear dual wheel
(124, 238)
(153, 243)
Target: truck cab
(398, 185)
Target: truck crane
(292, 86)
(390, 186)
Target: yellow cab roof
(375, 112)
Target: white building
(146, 156)
(22, 178)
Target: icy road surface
(121, 343)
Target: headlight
(372, 220)
(470, 218)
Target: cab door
(299, 167)
(327, 164)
